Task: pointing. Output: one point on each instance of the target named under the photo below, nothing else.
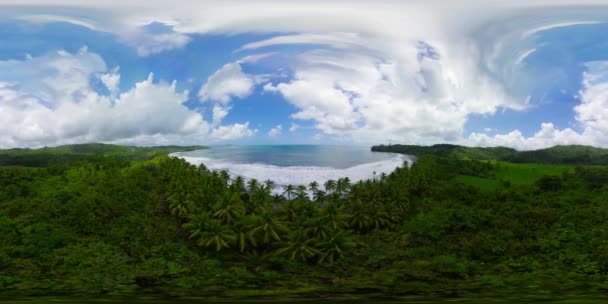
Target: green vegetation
(83, 152)
(505, 173)
(558, 155)
(121, 225)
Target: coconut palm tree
(196, 223)
(334, 215)
(289, 210)
(289, 191)
(301, 194)
(180, 202)
(267, 227)
(252, 185)
(330, 186)
(342, 186)
(216, 235)
(379, 218)
(244, 233)
(333, 248)
(229, 207)
(224, 177)
(358, 216)
(238, 184)
(313, 186)
(269, 185)
(202, 170)
(299, 246)
(209, 232)
(318, 195)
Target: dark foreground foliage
(161, 225)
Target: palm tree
(313, 186)
(318, 195)
(244, 234)
(229, 207)
(216, 235)
(330, 186)
(180, 202)
(209, 232)
(267, 227)
(379, 218)
(202, 170)
(289, 190)
(252, 185)
(298, 247)
(334, 216)
(289, 210)
(342, 186)
(301, 193)
(238, 184)
(359, 219)
(269, 185)
(196, 224)
(333, 248)
(224, 177)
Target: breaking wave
(300, 175)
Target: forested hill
(84, 152)
(562, 155)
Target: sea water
(297, 164)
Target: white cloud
(232, 132)
(547, 136)
(550, 26)
(49, 100)
(410, 71)
(293, 127)
(591, 115)
(111, 80)
(47, 18)
(227, 83)
(147, 44)
(369, 99)
(337, 40)
(524, 55)
(276, 131)
(219, 113)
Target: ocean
(296, 164)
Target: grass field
(515, 174)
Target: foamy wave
(300, 175)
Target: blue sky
(288, 74)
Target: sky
(524, 74)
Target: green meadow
(506, 173)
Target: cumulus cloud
(591, 115)
(232, 132)
(276, 131)
(227, 83)
(219, 112)
(294, 127)
(547, 136)
(111, 80)
(49, 100)
(366, 98)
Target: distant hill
(566, 155)
(89, 152)
(562, 155)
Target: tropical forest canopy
(99, 219)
